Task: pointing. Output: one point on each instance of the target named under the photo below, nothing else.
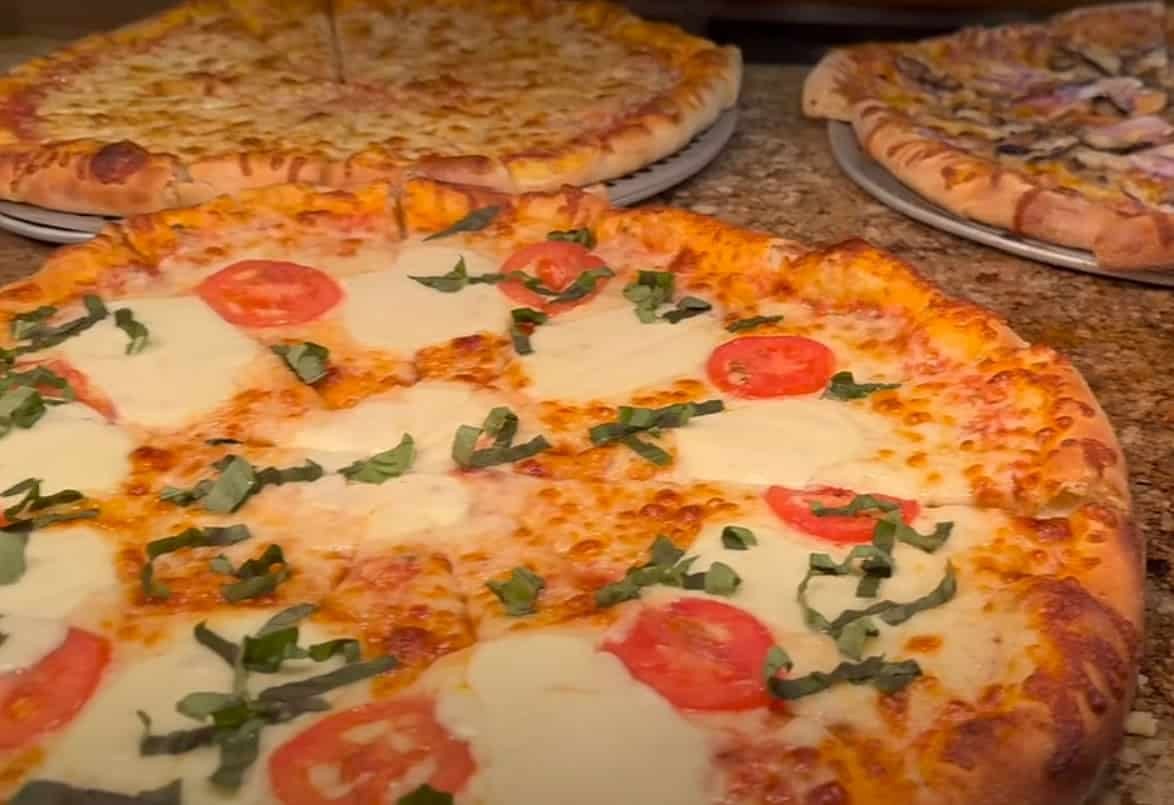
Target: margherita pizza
(1061, 131)
(424, 494)
(217, 96)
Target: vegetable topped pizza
(1061, 130)
(217, 96)
(423, 494)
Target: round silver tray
(64, 227)
(887, 189)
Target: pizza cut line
(1061, 130)
(425, 494)
(217, 96)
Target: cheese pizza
(423, 494)
(1060, 131)
(216, 96)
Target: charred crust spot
(1098, 454)
(973, 740)
(118, 161)
(153, 458)
(831, 793)
(1056, 529)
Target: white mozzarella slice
(551, 719)
(430, 412)
(391, 311)
(410, 504)
(807, 442)
(100, 749)
(28, 640)
(608, 352)
(193, 361)
(63, 567)
(71, 447)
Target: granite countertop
(777, 174)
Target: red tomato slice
(698, 654)
(413, 739)
(793, 506)
(269, 293)
(757, 366)
(82, 389)
(557, 264)
(51, 693)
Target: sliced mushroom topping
(923, 74)
(1128, 134)
(1032, 149)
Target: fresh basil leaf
(524, 321)
(41, 336)
(860, 504)
(686, 308)
(218, 536)
(583, 285)
(136, 331)
(278, 476)
(776, 660)
(669, 566)
(290, 616)
(219, 440)
(224, 649)
(737, 538)
(236, 484)
(185, 497)
(348, 647)
(257, 577)
(323, 683)
(53, 388)
(887, 677)
(178, 742)
(473, 222)
(584, 237)
(383, 466)
(844, 387)
(153, 589)
(742, 325)
(519, 594)
(221, 565)
(649, 291)
(943, 593)
(647, 451)
(21, 407)
(46, 792)
(48, 519)
(425, 795)
(306, 359)
(502, 425)
(239, 749)
(852, 637)
(617, 592)
(266, 652)
(23, 325)
(12, 556)
(202, 704)
(891, 527)
(721, 579)
(492, 456)
(664, 552)
(631, 420)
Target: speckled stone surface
(778, 175)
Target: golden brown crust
(828, 90)
(62, 175)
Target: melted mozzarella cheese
(397, 507)
(64, 567)
(604, 353)
(809, 442)
(391, 311)
(100, 749)
(71, 447)
(191, 363)
(430, 412)
(551, 719)
(28, 640)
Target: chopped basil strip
(307, 360)
(238, 750)
(189, 538)
(451, 282)
(525, 319)
(24, 325)
(686, 308)
(887, 677)
(891, 527)
(668, 566)
(348, 647)
(853, 637)
(843, 387)
(219, 440)
(238, 481)
(53, 388)
(742, 325)
(324, 683)
(584, 237)
(631, 421)
(266, 652)
(383, 466)
(225, 649)
(33, 511)
(519, 594)
(34, 329)
(12, 556)
(776, 660)
(583, 285)
(857, 505)
(649, 291)
(135, 330)
(46, 792)
(502, 425)
(257, 577)
(291, 616)
(473, 222)
(21, 407)
(647, 451)
(737, 538)
(425, 795)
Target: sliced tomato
(698, 654)
(83, 390)
(49, 694)
(793, 506)
(370, 747)
(758, 366)
(269, 293)
(557, 264)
